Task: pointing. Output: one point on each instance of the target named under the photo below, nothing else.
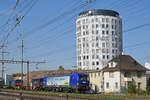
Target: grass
(89, 96)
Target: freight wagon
(37, 84)
(16, 84)
(74, 82)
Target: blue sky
(55, 42)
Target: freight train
(75, 82)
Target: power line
(137, 27)
(68, 19)
(57, 18)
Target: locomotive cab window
(71, 77)
(83, 77)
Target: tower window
(103, 26)
(107, 32)
(103, 32)
(93, 63)
(97, 38)
(97, 63)
(96, 31)
(107, 26)
(103, 56)
(96, 25)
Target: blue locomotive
(73, 82)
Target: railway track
(37, 96)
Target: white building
(121, 72)
(98, 38)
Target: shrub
(132, 89)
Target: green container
(8, 83)
(1, 83)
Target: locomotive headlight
(77, 84)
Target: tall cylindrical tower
(98, 38)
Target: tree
(17, 75)
(61, 68)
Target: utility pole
(28, 84)
(22, 47)
(3, 52)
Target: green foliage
(17, 75)
(132, 89)
(148, 89)
(61, 68)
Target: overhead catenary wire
(18, 20)
(56, 26)
(56, 19)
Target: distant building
(147, 65)
(98, 38)
(122, 71)
(96, 81)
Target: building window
(103, 32)
(113, 27)
(111, 74)
(96, 25)
(87, 57)
(92, 20)
(92, 32)
(96, 38)
(92, 25)
(107, 50)
(84, 57)
(103, 50)
(107, 26)
(107, 32)
(83, 27)
(113, 51)
(96, 19)
(83, 32)
(139, 85)
(97, 56)
(107, 56)
(97, 63)
(86, 20)
(103, 44)
(107, 85)
(103, 56)
(87, 32)
(103, 19)
(97, 50)
(96, 31)
(112, 32)
(116, 85)
(107, 20)
(127, 74)
(139, 74)
(93, 63)
(97, 44)
(112, 20)
(113, 56)
(103, 26)
(93, 56)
